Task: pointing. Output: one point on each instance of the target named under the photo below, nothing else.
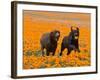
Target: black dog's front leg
(47, 52)
(54, 51)
(77, 47)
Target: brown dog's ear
(51, 35)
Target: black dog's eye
(75, 33)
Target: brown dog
(49, 42)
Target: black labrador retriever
(71, 42)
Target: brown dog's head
(54, 35)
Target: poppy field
(36, 23)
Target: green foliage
(37, 53)
(29, 53)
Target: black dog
(49, 42)
(71, 42)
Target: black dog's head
(54, 35)
(75, 32)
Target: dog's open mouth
(76, 37)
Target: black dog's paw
(60, 54)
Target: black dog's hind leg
(69, 51)
(78, 49)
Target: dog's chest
(74, 42)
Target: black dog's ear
(71, 28)
(77, 29)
